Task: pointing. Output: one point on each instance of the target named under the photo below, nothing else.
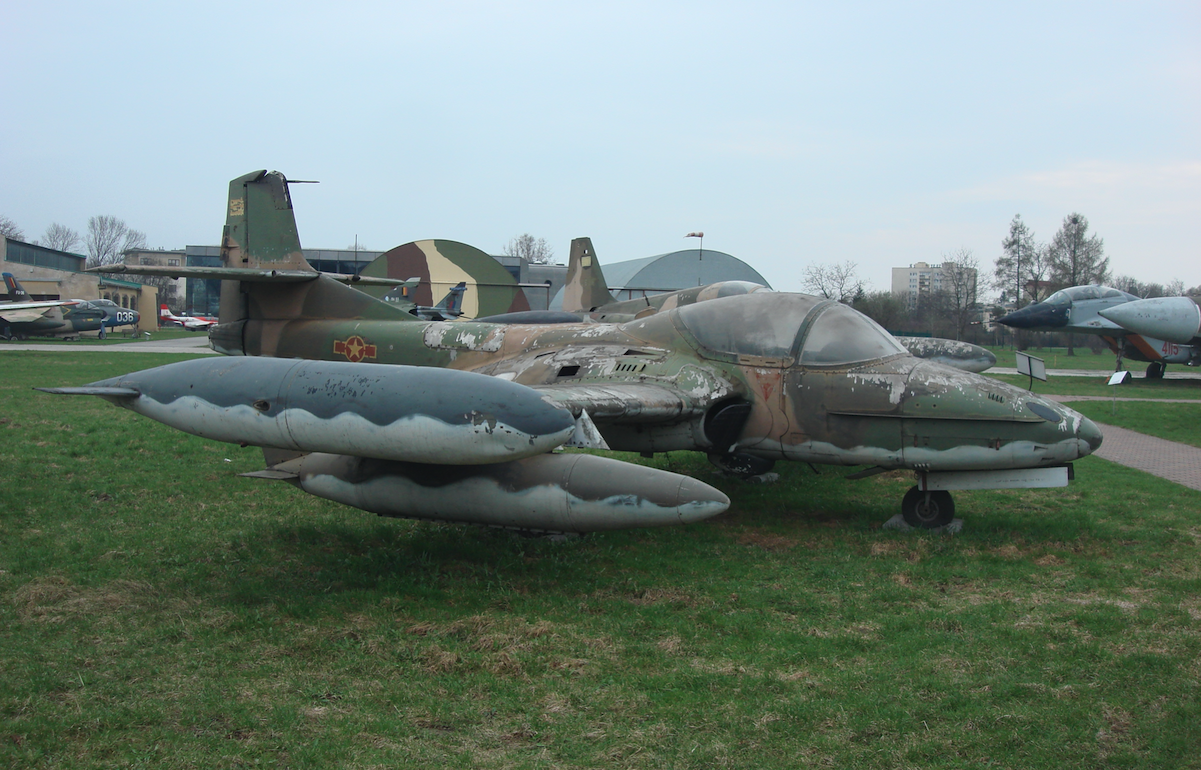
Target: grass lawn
(1058, 358)
(1088, 386)
(157, 610)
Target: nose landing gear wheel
(927, 510)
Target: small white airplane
(193, 323)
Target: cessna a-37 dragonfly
(456, 421)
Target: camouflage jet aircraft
(23, 317)
(449, 307)
(1160, 331)
(455, 419)
(587, 293)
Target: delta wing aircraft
(1159, 331)
(456, 420)
(587, 293)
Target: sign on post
(1035, 368)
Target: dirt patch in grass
(53, 598)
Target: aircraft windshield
(1081, 293)
(841, 335)
(763, 324)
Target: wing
(21, 315)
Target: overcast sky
(790, 133)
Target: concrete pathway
(195, 344)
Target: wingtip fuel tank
(547, 493)
(404, 413)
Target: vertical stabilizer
(16, 292)
(585, 289)
(260, 227)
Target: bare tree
(959, 276)
(1175, 288)
(166, 285)
(108, 238)
(10, 229)
(1076, 258)
(60, 237)
(1038, 276)
(536, 250)
(838, 282)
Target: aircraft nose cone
(1035, 316)
(696, 500)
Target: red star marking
(354, 348)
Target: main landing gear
(1155, 370)
(927, 510)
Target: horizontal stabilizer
(247, 274)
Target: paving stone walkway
(1169, 460)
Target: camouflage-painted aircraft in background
(587, 293)
(23, 317)
(1159, 331)
(449, 307)
(455, 420)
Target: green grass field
(156, 610)
(115, 338)
(1058, 358)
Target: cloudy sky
(790, 133)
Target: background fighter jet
(23, 318)
(449, 307)
(193, 323)
(1161, 331)
(454, 419)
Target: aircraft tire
(741, 465)
(1155, 370)
(927, 510)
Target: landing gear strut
(1155, 370)
(927, 510)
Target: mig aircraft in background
(1159, 331)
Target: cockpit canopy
(1080, 293)
(779, 326)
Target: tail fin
(16, 292)
(585, 289)
(453, 301)
(273, 243)
(260, 235)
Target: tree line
(105, 240)
(1026, 271)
